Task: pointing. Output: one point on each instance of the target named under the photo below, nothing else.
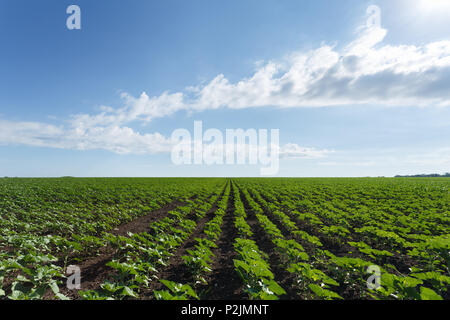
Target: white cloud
(365, 71)
(30, 133)
(120, 140)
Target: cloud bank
(365, 71)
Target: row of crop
(139, 257)
(399, 220)
(46, 221)
(283, 219)
(311, 283)
(352, 272)
(251, 263)
(198, 261)
(389, 200)
(341, 232)
(430, 252)
(433, 257)
(81, 207)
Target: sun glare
(434, 6)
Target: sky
(356, 88)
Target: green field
(217, 238)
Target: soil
(94, 270)
(176, 269)
(282, 276)
(141, 224)
(224, 283)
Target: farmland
(217, 238)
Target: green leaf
(275, 288)
(54, 287)
(428, 294)
(409, 282)
(188, 290)
(60, 296)
(324, 293)
(127, 291)
(22, 278)
(170, 284)
(163, 295)
(39, 292)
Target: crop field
(217, 238)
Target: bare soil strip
(176, 269)
(329, 243)
(401, 262)
(94, 270)
(141, 224)
(282, 276)
(224, 283)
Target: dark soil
(282, 276)
(224, 282)
(141, 224)
(94, 270)
(176, 269)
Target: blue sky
(349, 100)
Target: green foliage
(176, 291)
(255, 272)
(325, 232)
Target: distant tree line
(433, 175)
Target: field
(217, 238)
